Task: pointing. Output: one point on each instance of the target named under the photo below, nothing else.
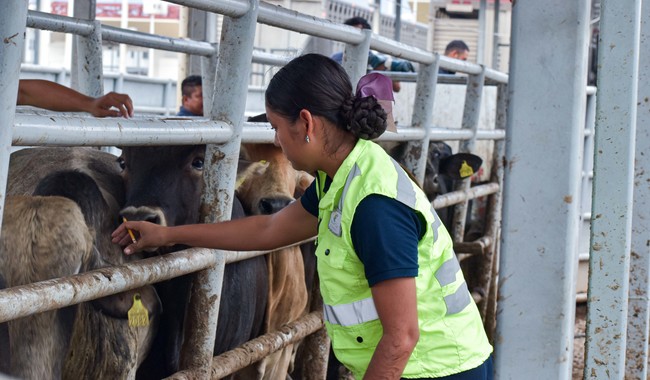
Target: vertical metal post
(488, 266)
(638, 314)
(355, 59)
(495, 36)
(89, 66)
(398, 19)
(228, 104)
(425, 91)
(196, 30)
(86, 73)
(13, 16)
(471, 117)
(611, 222)
(546, 110)
(482, 31)
(208, 74)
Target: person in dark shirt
(456, 49)
(377, 62)
(192, 91)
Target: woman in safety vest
(396, 304)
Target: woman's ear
(307, 120)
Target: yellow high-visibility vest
(452, 337)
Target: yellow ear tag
(465, 170)
(138, 314)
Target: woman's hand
(137, 236)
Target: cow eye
(122, 163)
(197, 163)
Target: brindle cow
(266, 186)
(164, 185)
(99, 343)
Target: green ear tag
(138, 314)
(465, 170)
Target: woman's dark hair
(321, 86)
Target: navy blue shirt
(184, 112)
(385, 234)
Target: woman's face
(287, 137)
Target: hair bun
(364, 117)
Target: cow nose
(269, 206)
(144, 214)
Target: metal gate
(224, 129)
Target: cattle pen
(568, 161)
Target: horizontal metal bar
(476, 247)
(400, 50)
(284, 18)
(131, 37)
(65, 129)
(35, 128)
(57, 293)
(57, 23)
(458, 65)
(456, 197)
(271, 59)
(497, 76)
(24, 300)
(229, 8)
(260, 347)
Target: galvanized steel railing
(226, 128)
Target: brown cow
(97, 341)
(34, 228)
(265, 187)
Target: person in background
(457, 49)
(192, 90)
(55, 97)
(377, 62)
(396, 303)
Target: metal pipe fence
(224, 126)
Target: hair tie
(381, 87)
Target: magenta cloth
(381, 87)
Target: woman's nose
(276, 142)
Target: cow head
(163, 184)
(270, 183)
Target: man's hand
(111, 104)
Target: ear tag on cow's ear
(138, 314)
(465, 170)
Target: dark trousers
(483, 372)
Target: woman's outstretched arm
(264, 232)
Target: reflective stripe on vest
(405, 191)
(446, 275)
(364, 310)
(436, 223)
(334, 223)
(351, 314)
(458, 301)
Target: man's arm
(55, 97)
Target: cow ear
(460, 165)
(303, 180)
